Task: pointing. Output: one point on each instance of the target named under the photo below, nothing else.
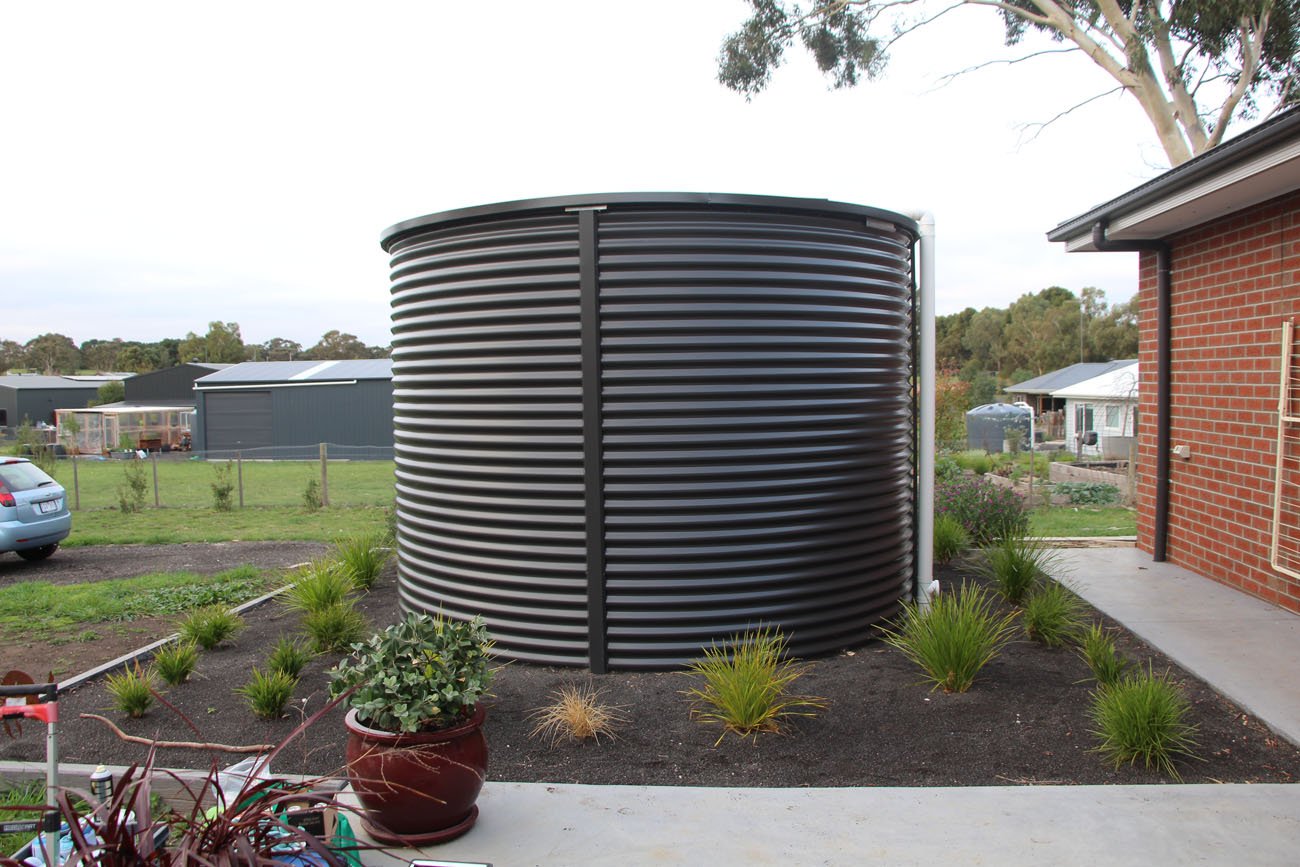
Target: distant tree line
(994, 347)
(54, 354)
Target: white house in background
(1107, 405)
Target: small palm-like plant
(1053, 614)
(578, 713)
(289, 656)
(746, 685)
(335, 628)
(317, 586)
(953, 637)
(1097, 648)
(1143, 717)
(175, 662)
(132, 690)
(950, 538)
(268, 693)
(210, 625)
(1016, 564)
(361, 558)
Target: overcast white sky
(170, 164)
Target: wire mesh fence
(310, 476)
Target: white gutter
(925, 384)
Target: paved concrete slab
(1244, 647)
(538, 824)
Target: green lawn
(251, 524)
(188, 483)
(1060, 521)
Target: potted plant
(416, 755)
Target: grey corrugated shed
(1075, 373)
(31, 380)
(300, 371)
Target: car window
(22, 476)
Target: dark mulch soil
(1024, 722)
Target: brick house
(1219, 284)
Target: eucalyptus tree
(1194, 66)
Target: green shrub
(1143, 716)
(1097, 647)
(953, 637)
(746, 685)
(950, 538)
(222, 486)
(420, 674)
(978, 462)
(1088, 493)
(210, 625)
(989, 512)
(289, 656)
(362, 558)
(1053, 615)
(335, 628)
(311, 498)
(1015, 565)
(946, 469)
(130, 494)
(317, 586)
(132, 690)
(175, 662)
(268, 693)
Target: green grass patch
(255, 524)
(1064, 521)
(42, 610)
(1143, 718)
(28, 793)
(188, 484)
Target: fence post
(154, 457)
(239, 465)
(324, 475)
(76, 485)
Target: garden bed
(1024, 722)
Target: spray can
(101, 784)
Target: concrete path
(1245, 648)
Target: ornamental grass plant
(176, 661)
(132, 690)
(317, 586)
(268, 692)
(1053, 615)
(1143, 717)
(952, 637)
(210, 625)
(576, 712)
(950, 539)
(336, 627)
(746, 685)
(1016, 565)
(362, 558)
(289, 656)
(1097, 647)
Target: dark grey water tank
(987, 425)
(630, 425)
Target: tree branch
(184, 745)
(1038, 127)
(949, 77)
(1250, 54)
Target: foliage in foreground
(577, 712)
(746, 685)
(1143, 717)
(953, 637)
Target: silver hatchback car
(34, 516)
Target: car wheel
(38, 553)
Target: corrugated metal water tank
(631, 425)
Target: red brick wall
(1234, 281)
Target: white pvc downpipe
(925, 385)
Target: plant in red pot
(416, 755)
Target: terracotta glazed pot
(417, 789)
